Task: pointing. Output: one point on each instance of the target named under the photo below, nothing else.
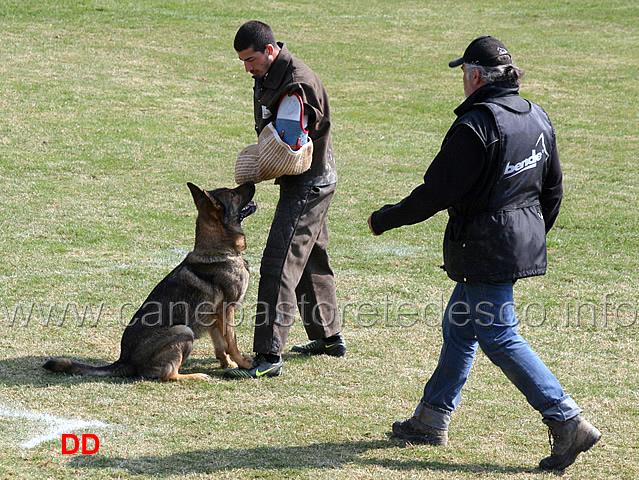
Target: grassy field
(108, 108)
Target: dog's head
(220, 215)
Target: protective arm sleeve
(291, 121)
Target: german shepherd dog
(199, 296)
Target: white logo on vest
(536, 156)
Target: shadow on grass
(320, 456)
(28, 370)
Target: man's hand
(370, 225)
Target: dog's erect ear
(199, 194)
(214, 201)
(196, 192)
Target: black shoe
(335, 348)
(567, 440)
(414, 431)
(261, 368)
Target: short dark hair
(254, 34)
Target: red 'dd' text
(73, 446)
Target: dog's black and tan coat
(198, 297)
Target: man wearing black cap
(499, 177)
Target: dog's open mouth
(248, 209)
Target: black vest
(502, 237)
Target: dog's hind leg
(226, 329)
(166, 362)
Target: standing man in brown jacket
(295, 271)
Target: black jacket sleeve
(448, 178)
(552, 190)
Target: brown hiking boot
(567, 440)
(415, 431)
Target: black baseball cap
(484, 51)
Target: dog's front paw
(247, 361)
(226, 362)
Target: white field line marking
(57, 425)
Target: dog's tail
(65, 365)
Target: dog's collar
(224, 257)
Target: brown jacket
(287, 75)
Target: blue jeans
(483, 314)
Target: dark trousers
(295, 271)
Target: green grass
(110, 107)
